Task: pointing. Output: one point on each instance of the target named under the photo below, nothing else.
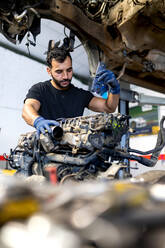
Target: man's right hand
(42, 125)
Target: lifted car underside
(129, 36)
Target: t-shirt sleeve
(87, 97)
(34, 93)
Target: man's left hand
(104, 81)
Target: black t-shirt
(59, 103)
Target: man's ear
(48, 70)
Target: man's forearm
(29, 114)
(112, 102)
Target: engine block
(86, 132)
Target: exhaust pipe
(57, 132)
(49, 141)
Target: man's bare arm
(105, 81)
(99, 104)
(30, 110)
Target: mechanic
(56, 98)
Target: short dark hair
(59, 54)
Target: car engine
(79, 143)
(82, 148)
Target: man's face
(61, 73)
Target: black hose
(160, 141)
(30, 167)
(145, 161)
(36, 156)
(155, 152)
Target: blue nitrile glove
(41, 125)
(104, 81)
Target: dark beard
(58, 83)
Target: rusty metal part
(107, 29)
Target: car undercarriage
(129, 36)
